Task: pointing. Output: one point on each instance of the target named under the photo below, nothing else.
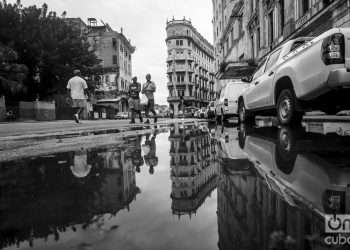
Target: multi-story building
(190, 66)
(246, 31)
(115, 51)
(193, 168)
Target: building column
(176, 108)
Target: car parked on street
(203, 113)
(211, 110)
(122, 115)
(301, 75)
(227, 104)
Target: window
(260, 69)
(181, 42)
(115, 59)
(270, 20)
(272, 59)
(304, 6)
(258, 38)
(281, 4)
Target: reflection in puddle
(193, 168)
(190, 188)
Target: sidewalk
(36, 130)
(30, 139)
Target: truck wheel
(243, 116)
(217, 117)
(286, 112)
(223, 118)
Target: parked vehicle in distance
(203, 113)
(227, 105)
(122, 115)
(190, 111)
(211, 110)
(301, 75)
(196, 114)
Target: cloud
(143, 22)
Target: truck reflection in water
(279, 202)
(50, 195)
(193, 168)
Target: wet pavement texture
(191, 187)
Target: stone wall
(38, 110)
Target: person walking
(78, 91)
(148, 90)
(134, 99)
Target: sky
(143, 22)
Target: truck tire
(243, 116)
(286, 108)
(223, 118)
(218, 118)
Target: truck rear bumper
(339, 78)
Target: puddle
(192, 187)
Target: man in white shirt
(77, 90)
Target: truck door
(262, 86)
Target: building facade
(247, 31)
(115, 52)
(190, 66)
(193, 168)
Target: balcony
(179, 84)
(173, 99)
(182, 57)
(189, 98)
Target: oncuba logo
(337, 223)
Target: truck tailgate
(347, 50)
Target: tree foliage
(46, 44)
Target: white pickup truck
(302, 74)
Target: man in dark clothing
(134, 99)
(151, 159)
(148, 89)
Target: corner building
(190, 66)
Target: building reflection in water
(51, 195)
(279, 202)
(193, 168)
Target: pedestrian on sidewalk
(148, 89)
(77, 90)
(134, 99)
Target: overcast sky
(143, 22)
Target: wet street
(185, 187)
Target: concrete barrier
(44, 111)
(2, 109)
(26, 111)
(38, 110)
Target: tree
(12, 74)
(45, 44)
